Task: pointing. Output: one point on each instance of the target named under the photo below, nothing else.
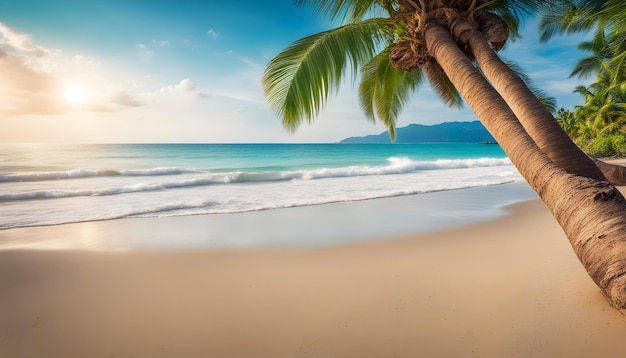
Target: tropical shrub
(611, 145)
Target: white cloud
(18, 43)
(185, 86)
(214, 35)
(25, 88)
(161, 43)
(123, 98)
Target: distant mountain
(472, 132)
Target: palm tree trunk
(591, 212)
(616, 174)
(537, 120)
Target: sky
(176, 71)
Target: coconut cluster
(462, 18)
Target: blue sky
(132, 71)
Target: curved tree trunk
(537, 120)
(616, 174)
(591, 212)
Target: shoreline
(294, 227)
(507, 287)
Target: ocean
(49, 184)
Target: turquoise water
(18, 158)
(45, 184)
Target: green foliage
(598, 126)
(299, 80)
(594, 131)
(569, 122)
(607, 18)
(350, 11)
(612, 145)
(384, 90)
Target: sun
(74, 94)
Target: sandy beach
(509, 287)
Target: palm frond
(587, 67)
(608, 10)
(617, 40)
(549, 26)
(384, 90)
(514, 12)
(543, 97)
(517, 8)
(350, 11)
(617, 68)
(298, 81)
(601, 53)
(563, 17)
(441, 84)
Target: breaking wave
(176, 178)
(89, 173)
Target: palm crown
(381, 43)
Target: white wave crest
(398, 165)
(134, 188)
(86, 173)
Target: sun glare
(74, 94)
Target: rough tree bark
(536, 119)
(591, 212)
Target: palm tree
(566, 120)
(569, 122)
(604, 109)
(536, 119)
(416, 37)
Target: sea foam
(64, 184)
(189, 177)
(87, 173)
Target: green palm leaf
(298, 81)
(441, 84)
(514, 12)
(384, 90)
(351, 10)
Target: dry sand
(511, 287)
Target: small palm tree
(604, 108)
(437, 40)
(569, 122)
